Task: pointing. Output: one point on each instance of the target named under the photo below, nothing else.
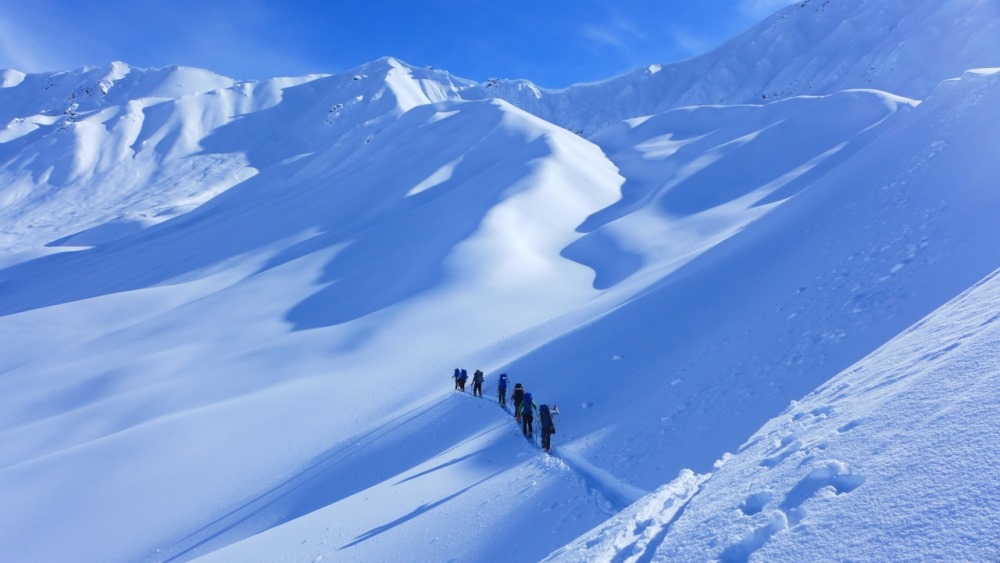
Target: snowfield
(761, 287)
(888, 458)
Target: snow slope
(892, 459)
(923, 404)
(252, 296)
(171, 350)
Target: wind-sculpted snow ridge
(812, 47)
(891, 459)
(95, 155)
(885, 460)
(697, 175)
(185, 354)
(724, 342)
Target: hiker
(548, 427)
(457, 375)
(528, 407)
(502, 390)
(463, 376)
(477, 383)
(516, 396)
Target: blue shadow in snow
(394, 243)
(751, 146)
(415, 512)
(437, 468)
(359, 463)
(398, 248)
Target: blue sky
(551, 42)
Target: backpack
(544, 415)
(503, 381)
(526, 404)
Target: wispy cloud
(617, 32)
(18, 50)
(690, 43)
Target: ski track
(617, 492)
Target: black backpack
(518, 393)
(544, 415)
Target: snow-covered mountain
(230, 311)
(812, 47)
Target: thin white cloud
(18, 51)
(618, 32)
(692, 44)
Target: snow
(812, 47)
(890, 459)
(230, 310)
(10, 78)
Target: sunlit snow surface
(230, 311)
(890, 459)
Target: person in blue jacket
(528, 408)
(502, 390)
(548, 426)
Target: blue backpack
(503, 382)
(526, 404)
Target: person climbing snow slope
(502, 390)
(548, 426)
(528, 407)
(516, 396)
(477, 383)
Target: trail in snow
(617, 492)
(635, 533)
(311, 488)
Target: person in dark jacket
(458, 374)
(516, 396)
(477, 383)
(502, 390)
(548, 426)
(528, 408)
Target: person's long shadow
(426, 507)
(322, 482)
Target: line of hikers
(524, 404)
